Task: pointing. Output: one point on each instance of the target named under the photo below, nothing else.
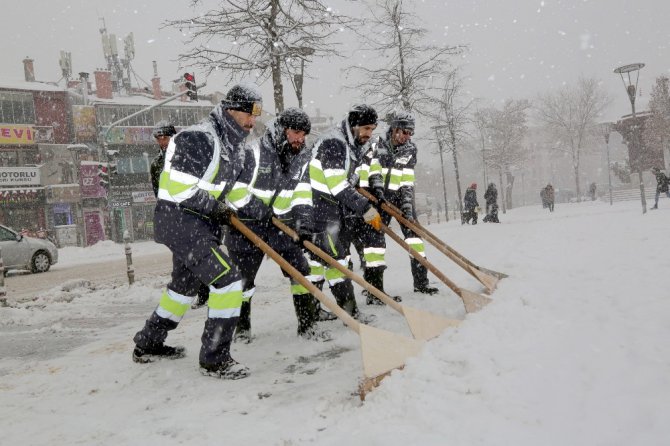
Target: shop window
(17, 108)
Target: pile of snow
(572, 351)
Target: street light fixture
(631, 88)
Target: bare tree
(452, 118)
(504, 132)
(409, 65)
(263, 38)
(571, 115)
(656, 133)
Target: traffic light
(103, 175)
(192, 89)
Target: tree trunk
(454, 153)
(576, 168)
(278, 86)
(501, 188)
(510, 187)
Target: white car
(20, 252)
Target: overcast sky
(517, 47)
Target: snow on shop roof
(18, 84)
(144, 100)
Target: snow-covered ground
(572, 351)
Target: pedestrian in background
(662, 182)
(470, 205)
(491, 197)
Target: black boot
(305, 311)
(344, 296)
(420, 276)
(321, 314)
(243, 329)
(375, 277)
(149, 342)
(216, 339)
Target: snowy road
(61, 329)
(26, 286)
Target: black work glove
(222, 213)
(407, 211)
(378, 192)
(305, 235)
(304, 231)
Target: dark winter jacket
(338, 164)
(155, 170)
(662, 182)
(281, 177)
(204, 163)
(549, 194)
(397, 171)
(470, 199)
(491, 195)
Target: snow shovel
(422, 324)
(487, 277)
(382, 351)
(472, 301)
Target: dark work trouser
(248, 258)
(197, 260)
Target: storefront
(23, 208)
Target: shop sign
(120, 204)
(89, 180)
(20, 176)
(21, 196)
(17, 134)
(83, 118)
(144, 197)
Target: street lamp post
(606, 129)
(631, 89)
(298, 79)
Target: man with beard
(338, 165)
(281, 181)
(397, 156)
(200, 188)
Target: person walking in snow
(199, 190)
(281, 181)
(470, 205)
(662, 182)
(491, 197)
(549, 196)
(340, 212)
(391, 179)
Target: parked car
(21, 252)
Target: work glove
(305, 235)
(372, 217)
(304, 230)
(407, 211)
(378, 192)
(222, 213)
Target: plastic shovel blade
(424, 325)
(384, 351)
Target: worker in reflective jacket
(280, 180)
(201, 186)
(339, 165)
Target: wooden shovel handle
(337, 265)
(295, 274)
